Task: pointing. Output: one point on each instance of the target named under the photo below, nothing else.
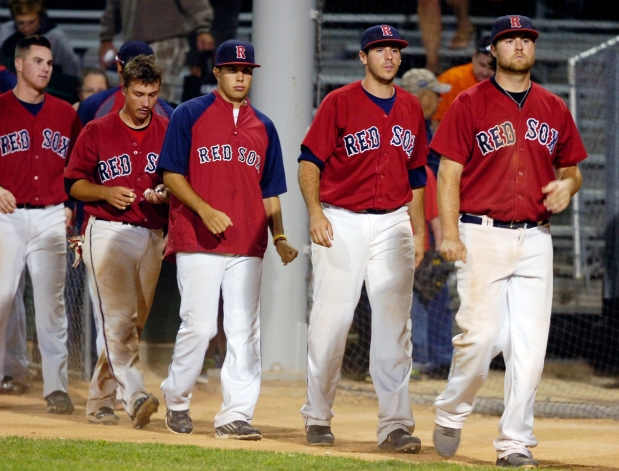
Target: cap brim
(249, 64)
(442, 88)
(531, 32)
(400, 42)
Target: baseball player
(363, 153)
(37, 133)
(7, 80)
(113, 99)
(124, 238)
(510, 152)
(223, 164)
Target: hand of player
(321, 231)
(205, 42)
(119, 196)
(68, 217)
(104, 56)
(453, 250)
(159, 195)
(8, 204)
(214, 220)
(420, 248)
(557, 195)
(287, 253)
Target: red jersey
(508, 154)
(430, 201)
(367, 153)
(232, 167)
(34, 149)
(108, 153)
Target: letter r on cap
(240, 52)
(386, 30)
(515, 22)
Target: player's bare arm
(214, 220)
(559, 192)
(8, 204)
(273, 209)
(321, 231)
(449, 173)
(416, 211)
(118, 196)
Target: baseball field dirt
(581, 444)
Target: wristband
(277, 238)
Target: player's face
(35, 69)
(234, 82)
(93, 83)
(28, 24)
(480, 66)
(140, 99)
(382, 62)
(429, 102)
(515, 54)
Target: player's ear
(363, 57)
(217, 73)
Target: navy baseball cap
(512, 24)
(235, 52)
(133, 49)
(381, 34)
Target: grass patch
(21, 454)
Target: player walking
(123, 239)
(364, 152)
(510, 150)
(37, 133)
(223, 164)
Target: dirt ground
(564, 444)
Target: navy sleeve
(7, 81)
(177, 143)
(417, 177)
(273, 182)
(306, 154)
(166, 107)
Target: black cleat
(59, 402)
(401, 440)
(179, 422)
(446, 440)
(103, 416)
(319, 435)
(517, 460)
(143, 408)
(9, 385)
(238, 430)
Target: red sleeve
(570, 149)
(430, 197)
(455, 134)
(420, 152)
(84, 158)
(76, 128)
(323, 134)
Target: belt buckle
(511, 224)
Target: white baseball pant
(380, 250)
(16, 356)
(124, 263)
(505, 290)
(37, 237)
(200, 277)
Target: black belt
(470, 219)
(29, 206)
(117, 222)
(377, 211)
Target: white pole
(571, 73)
(283, 38)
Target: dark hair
(23, 7)
(492, 63)
(94, 71)
(24, 45)
(142, 69)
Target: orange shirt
(461, 78)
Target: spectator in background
(463, 77)
(432, 319)
(165, 29)
(8, 80)
(29, 18)
(431, 27)
(92, 81)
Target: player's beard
(516, 67)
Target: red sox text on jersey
(503, 135)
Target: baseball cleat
(179, 422)
(446, 440)
(103, 416)
(401, 440)
(143, 408)
(319, 435)
(8, 385)
(238, 430)
(59, 402)
(517, 460)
